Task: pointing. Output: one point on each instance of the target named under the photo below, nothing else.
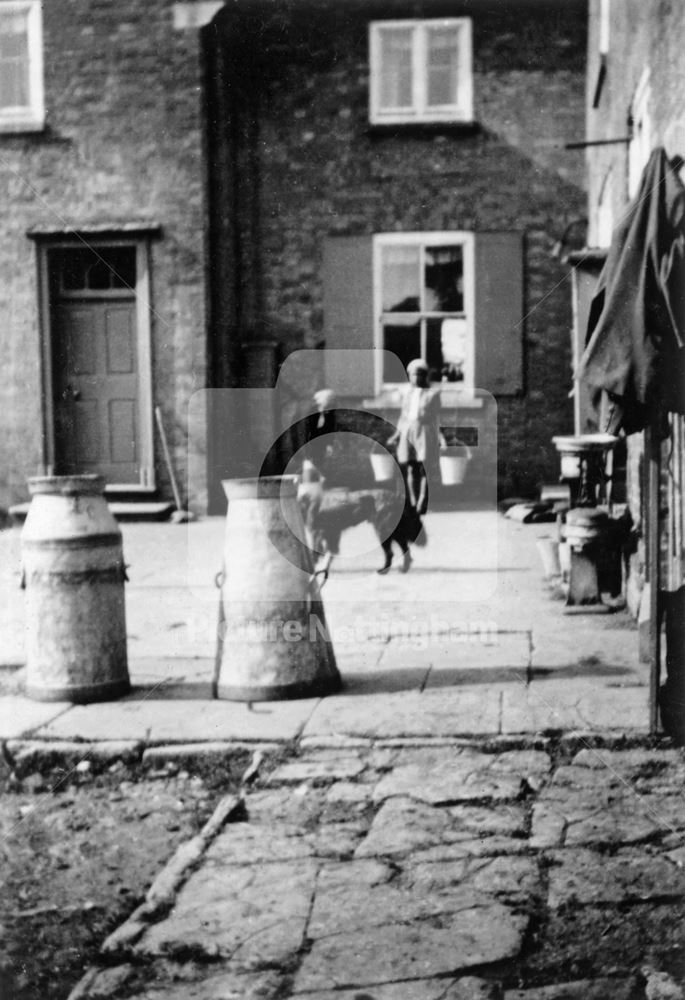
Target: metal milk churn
(273, 638)
(73, 574)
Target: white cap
(324, 397)
(417, 365)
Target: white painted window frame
(604, 26)
(467, 241)
(461, 111)
(604, 219)
(29, 118)
(146, 482)
(640, 145)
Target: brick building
(636, 76)
(194, 191)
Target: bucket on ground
(549, 553)
(454, 461)
(273, 637)
(73, 574)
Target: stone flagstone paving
(427, 873)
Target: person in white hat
(319, 428)
(418, 433)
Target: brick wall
(123, 142)
(318, 170)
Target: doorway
(97, 362)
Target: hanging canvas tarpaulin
(634, 358)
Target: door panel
(119, 335)
(122, 428)
(96, 389)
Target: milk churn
(273, 637)
(73, 574)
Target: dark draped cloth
(633, 363)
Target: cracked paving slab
(255, 916)
(365, 894)
(402, 826)
(188, 982)
(581, 821)
(324, 767)
(464, 988)
(459, 775)
(626, 803)
(446, 944)
(582, 877)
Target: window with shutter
(453, 298)
(21, 66)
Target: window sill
(20, 126)
(417, 129)
(461, 399)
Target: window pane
(98, 269)
(74, 268)
(444, 279)
(396, 67)
(99, 276)
(122, 261)
(400, 279)
(404, 340)
(442, 59)
(447, 348)
(14, 60)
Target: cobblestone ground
(373, 871)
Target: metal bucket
(384, 466)
(453, 465)
(73, 574)
(273, 640)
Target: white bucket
(570, 466)
(549, 553)
(383, 465)
(453, 464)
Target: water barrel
(273, 637)
(73, 575)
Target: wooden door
(97, 423)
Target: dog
(327, 515)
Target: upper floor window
(421, 71)
(21, 66)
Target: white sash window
(21, 66)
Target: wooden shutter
(348, 312)
(499, 312)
